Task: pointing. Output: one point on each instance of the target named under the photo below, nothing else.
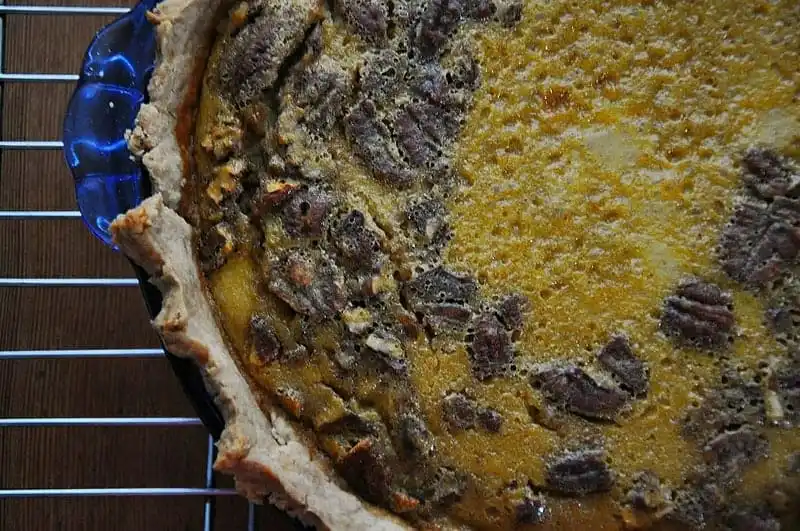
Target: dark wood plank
(66, 514)
(50, 318)
(88, 257)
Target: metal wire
(67, 282)
(99, 421)
(208, 491)
(208, 507)
(33, 78)
(39, 214)
(251, 517)
(38, 145)
(145, 491)
(62, 10)
(81, 353)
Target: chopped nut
(226, 179)
(256, 118)
(439, 20)
(428, 218)
(769, 175)
(439, 286)
(265, 342)
(365, 469)
(368, 17)
(780, 321)
(386, 344)
(459, 412)
(416, 440)
(320, 89)
(511, 311)
(374, 143)
(251, 61)
(357, 320)
(310, 284)
(576, 391)
(481, 9)
(730, 452)
(509, 12)
(375, 284)
(694, 507)
(462, 413)
(224, 139)
(579, 473)
(449, 90)
(490, 351)
(390, 348)
(617, 356)
(547, 415)
(423, 132)
(490, 420)
(273, 193)
(356, 423)
(445, 317)
(300, 273)
(699, 314)
(383, 72)
(358, 245)
(215, 246)
(734, 403)
(306, 212)
(761, 241)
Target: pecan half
(699, 314)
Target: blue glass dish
(112, 85)
(111, 88)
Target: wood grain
(59, 318)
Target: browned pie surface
(516, 263)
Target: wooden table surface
(74, 318)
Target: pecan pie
(485, 264)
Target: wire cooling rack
(208, 491)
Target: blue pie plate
(108, 181)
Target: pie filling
(516, 264)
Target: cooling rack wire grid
(209, 491)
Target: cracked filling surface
(516, 264)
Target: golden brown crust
(260, 448)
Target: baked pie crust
(484, 263)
